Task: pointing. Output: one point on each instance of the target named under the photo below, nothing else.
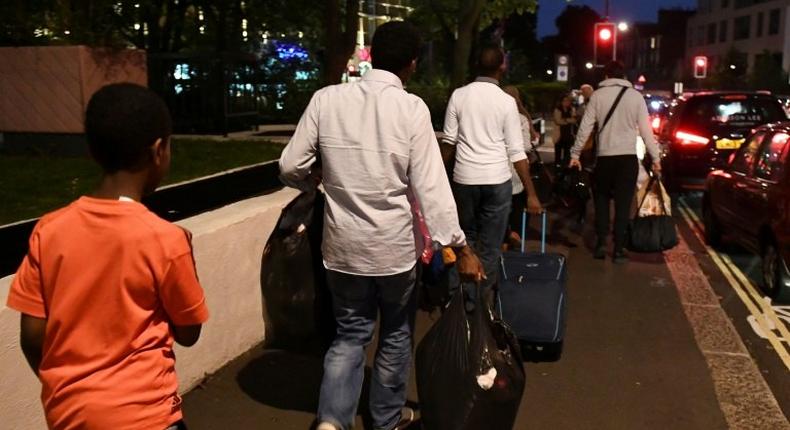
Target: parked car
(703, 129)
(749, 202)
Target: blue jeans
(483, 212)
(356, 301)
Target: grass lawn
(31, 186)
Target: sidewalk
(630, 362)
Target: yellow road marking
(748, 284)
(770, 312)
(728, 273)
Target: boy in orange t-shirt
(107, 286)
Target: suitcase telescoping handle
(542, 231)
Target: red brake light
(656, 124)
(690, 139)
(735, 97)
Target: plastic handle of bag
(542, 232)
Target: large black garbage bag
(297, 302)
(457, 387)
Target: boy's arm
(186, 335)
(182, 296)
(31, 339)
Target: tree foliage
(458, 24)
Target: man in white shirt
(616, 165)
(377, 145)
(483, 128)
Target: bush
(434, 95)
(540, 97)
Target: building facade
(751, 27)
(651, 49)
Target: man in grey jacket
(617, 166)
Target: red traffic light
(700, 67)
(604, 42)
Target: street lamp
(732, 66)
(589, 65)
(622, 26)
(549, 72)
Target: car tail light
(686, 138)
(780, 139)
(656, 124)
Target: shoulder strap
(611, 109)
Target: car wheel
(713, 230)
(775, 277)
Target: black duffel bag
(654, 233)
(469, 370)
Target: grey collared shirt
(377, 145)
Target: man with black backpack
(620, 113)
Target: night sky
(619, 10)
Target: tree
(461, 21)
(575, 28)
(768, 73)
(340, 30)
(730, 72)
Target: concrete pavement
(631, 360)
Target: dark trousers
(614, 176)
(483, 212)
(517, 206)
(562, 151)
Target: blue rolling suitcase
(532, 298)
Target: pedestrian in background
(483, 133)
(586, 92)
(377, 145)
(616, 164)
(107, 286)
(565, 119)
(512, 238)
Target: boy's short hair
(615, 69)
(490, 59)
(121, 122)
(395, 45)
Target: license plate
(729, 143)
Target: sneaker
(326, 426)
(406, 418)
(600, 252)
(620, 256)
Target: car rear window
(736, 111)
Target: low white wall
(228, 245)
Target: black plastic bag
(573, 187)
(456, 385)
(297, 301)
(654, 233)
